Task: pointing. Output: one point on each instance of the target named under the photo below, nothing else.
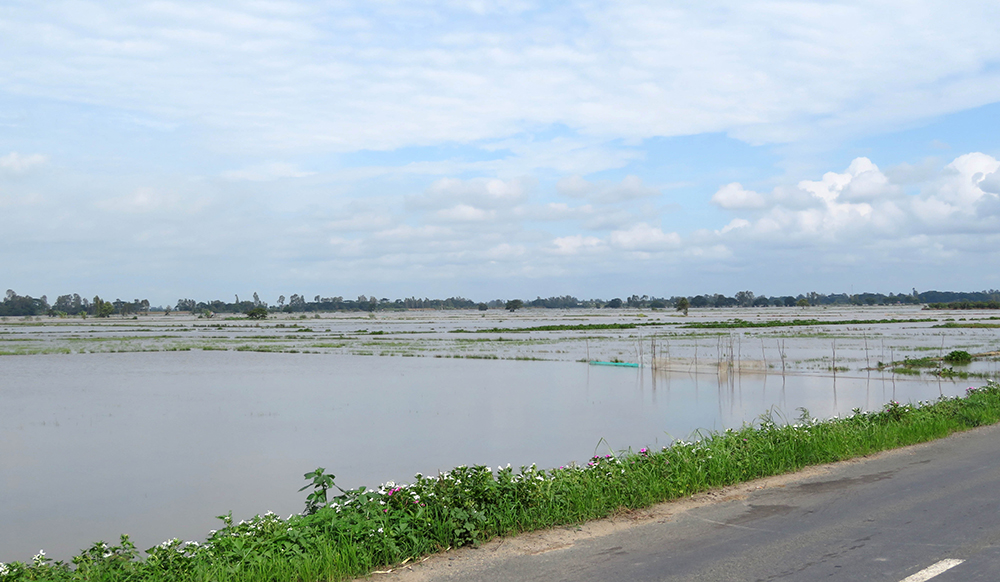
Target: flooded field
(153, 426)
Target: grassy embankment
(364, 530)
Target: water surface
(156, 444)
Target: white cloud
(496, 101)
(16, 163)
(990, 183)
(734, 224)
(267, 172)
(960, 182)
(347, 247)
(577, 244)
(861, 182)
(553, 211)
(630, 188)
(32, 199)
(147, 200)
(643, 237)
(905, 174)
(406, 233)
(505, 252)
(734, 196)
(364, 221)
(464, 213)
(861, 206)
(356, 75)
(482, 193)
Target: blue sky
(497, 149)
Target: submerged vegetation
(366, 529)
(967, 325)
(558, 327)
(742, 323)
(965, 305)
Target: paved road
(906, 515)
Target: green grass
(363, 530)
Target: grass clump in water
(958, 357)
(362, 530)
(557, 327)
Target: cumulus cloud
(734, 224)
(861, 181)
(734, 196)
(960, 183)
(990, 183)
(904, 174)
(861, 205)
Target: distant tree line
(67, 305)
(75, 305)
(299, 304)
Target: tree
(482, 307)
(745, 298)
(256, 313)
(615, 303)
(102, 308)
(683, 305)
(802, 302)
(513, 305)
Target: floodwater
(156, 444)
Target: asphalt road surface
(929, 512)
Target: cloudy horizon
(497, 149)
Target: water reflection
(155, 444)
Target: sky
(497, 149)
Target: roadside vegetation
(363, 530)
